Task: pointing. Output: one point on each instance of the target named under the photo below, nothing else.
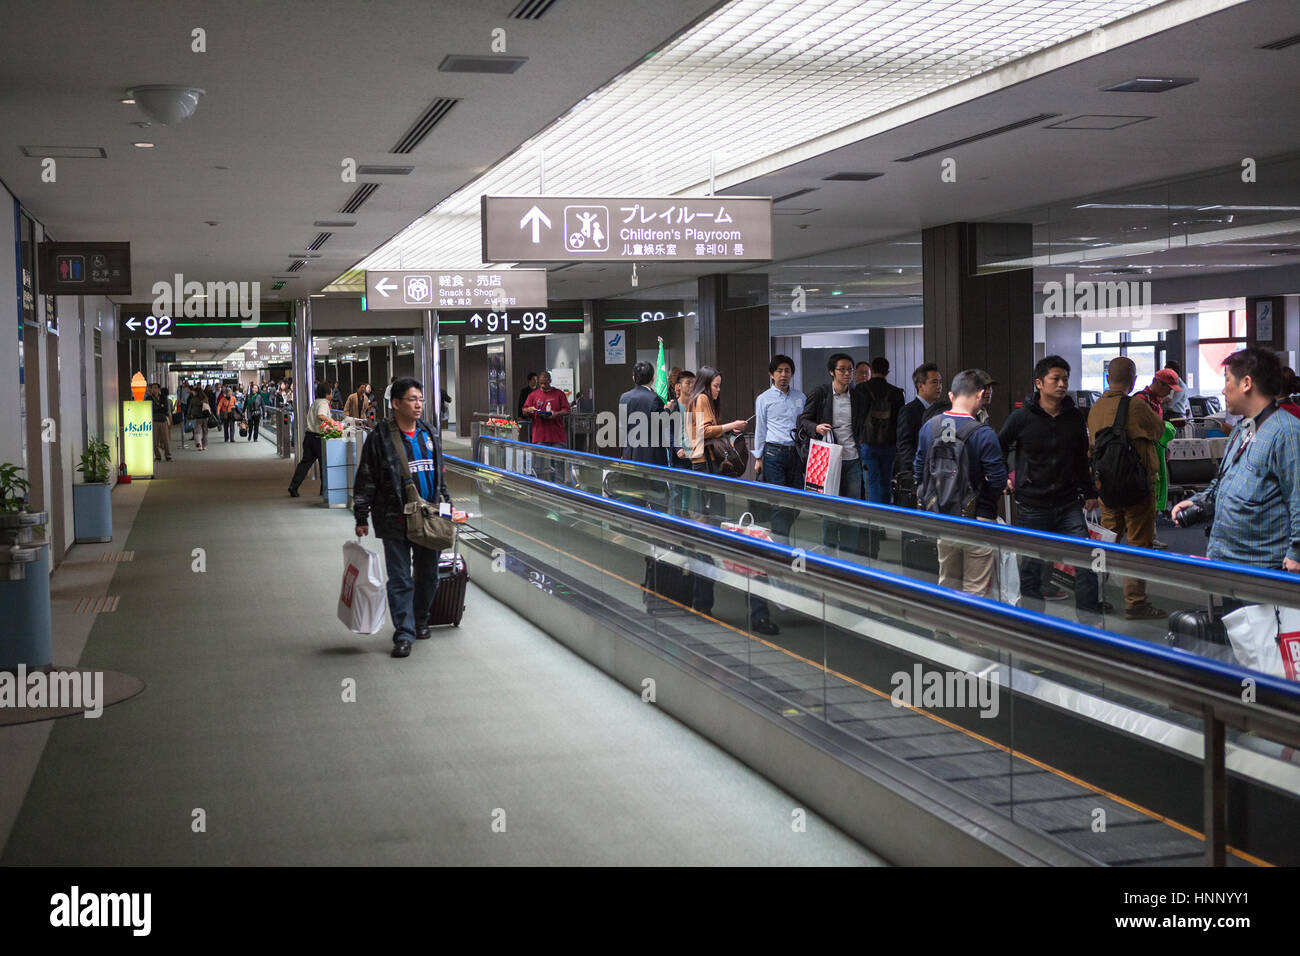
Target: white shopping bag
(1008, 575)
(1266, 638)
(751, 530)
(362, 599)
(824, 462)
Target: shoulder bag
(424, 525)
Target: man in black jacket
(644, 438)
(835, 412)
(929, 402)
(377, 492)
(880, 433)
(1053, 483)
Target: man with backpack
(959, 472)
(879, 442)
(1048, 437)
(1123, 435)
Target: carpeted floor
(242, 749)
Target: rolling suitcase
(449, 599)
(1189, 628)
(920, 553)
(668, 580)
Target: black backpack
(880, 416)
(946, 487)
(1121, 474)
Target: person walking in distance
(226, 412)
(880, 432)
(198, 411)
(378, 493)
(311, 447)
(930, 401)
(161, 414)
(1123, 433)
(253, 411)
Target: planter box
(336, 472)
(92, 512)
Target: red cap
(1169, 377)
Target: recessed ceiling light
(143, 145)
(129, 101)
(1149, 84)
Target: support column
(736, 342)
(426, 366)
(980, 321)
(304, 363)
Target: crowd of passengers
(1046, 455)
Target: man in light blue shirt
(776, 412)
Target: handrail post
(1214, 790)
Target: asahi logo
(215, 300)
(1124, 300)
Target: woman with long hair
(703, 421)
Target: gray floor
(243, 722)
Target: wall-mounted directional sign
(141, 323)
(508, 321)
(456, 289)
(85, 268)
(672, 228)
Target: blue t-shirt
(420, 454)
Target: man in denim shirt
(1254, 503)
(776, 413)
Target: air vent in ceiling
(851, 177)
(457, 63)
(320, 240)
(793, 211)
(1029, 121)
(1281, 44)
(421, 127)
(64, 152)
(531, 9)
(362, 193)
(334, 223)
(1284, 252)
(1127, 271)
(796, 193)
(1149, 84)
(370, 169)
(297, 265)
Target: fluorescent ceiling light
(746, 86)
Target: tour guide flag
(661, 374)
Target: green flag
(661, 375)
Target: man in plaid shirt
(1254, 503)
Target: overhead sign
(137, 438)
(456, 289)
(85, 268)
(273, 349)
(142, 323)
(672, 228)
(507, 322)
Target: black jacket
(1051, 454)
(649, 449)
(817, 411)
(880, 388)
(377, 489)
(910, 419)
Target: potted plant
(92, 505)
(334, 463)
(19, 528)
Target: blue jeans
(878, 463)
(410, 595)
(1063, 519)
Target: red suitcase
(449, 600)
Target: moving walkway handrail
(1255, 585)
(1186, 682)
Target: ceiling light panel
(755, 79)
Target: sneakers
(402, 649)
(1146, 611)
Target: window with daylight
(1145, 347)
(1222, 333)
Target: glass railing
(1097, 579)
(1095, 738)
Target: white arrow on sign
(132, 324)
(476, 320)
(382, 287)
(537, 217)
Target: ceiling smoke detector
(169, 105)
